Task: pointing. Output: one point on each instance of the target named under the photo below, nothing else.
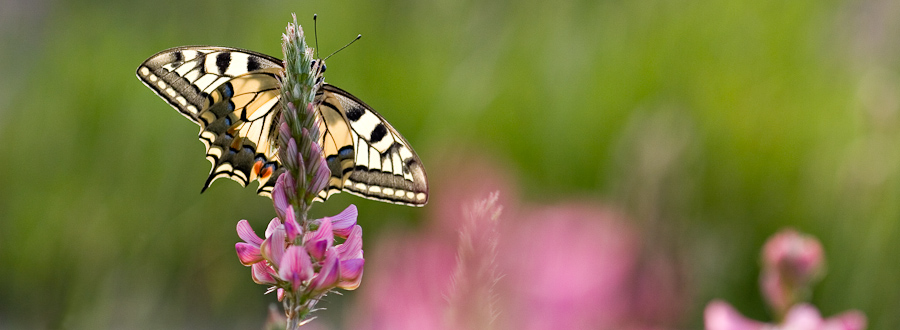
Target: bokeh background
(705, 126)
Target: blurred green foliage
(712, 122)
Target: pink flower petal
(351, 273)
(343, 222)
(248, 253)
(317, 249)
(774, 291)
(314, 148)
(850, 320)
(791, 262)
(313, 165)
(296, 267)
(328, 275)
(291, 227)
(323, 174)
(291, 154)
(274, 224)
(802, 317)
(318, 241)
(279, 198)
(284, 129)
(324, 230)
(797, 257)
(352, 247)
(301, 164)
(262, 273)
(290, 185)
(273, 247)
(719, 315)
(246, 233)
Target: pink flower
(719, 315)
(313, 268)
(248, 251)
(351, 260)
(791, 262)
(296, 267)
(582, 271)
(343, 223)
(413, 270)
(322, 172)
(472, 296)
(263, 273)
(566, 266)
(318, 241)
(328, 276)
(254, 250)
(279, 193)
(341, 264)
(291, 227)
(272, 248)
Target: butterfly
(235, 97)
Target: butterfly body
(234, 95)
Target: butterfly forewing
(234, 96)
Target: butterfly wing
(234, 95)
(366, 155)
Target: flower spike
(298, 263)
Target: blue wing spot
(227, 90)
(346, 152)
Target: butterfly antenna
(316, 34)
(345, 46)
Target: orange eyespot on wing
(261, 170)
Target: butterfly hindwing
(382, 165)
(233, 94)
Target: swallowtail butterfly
(234, 95)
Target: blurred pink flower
(579, 266)
(791, 263)
(719, 315)
(472, 297)
(574, 265)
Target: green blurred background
(715, 122)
